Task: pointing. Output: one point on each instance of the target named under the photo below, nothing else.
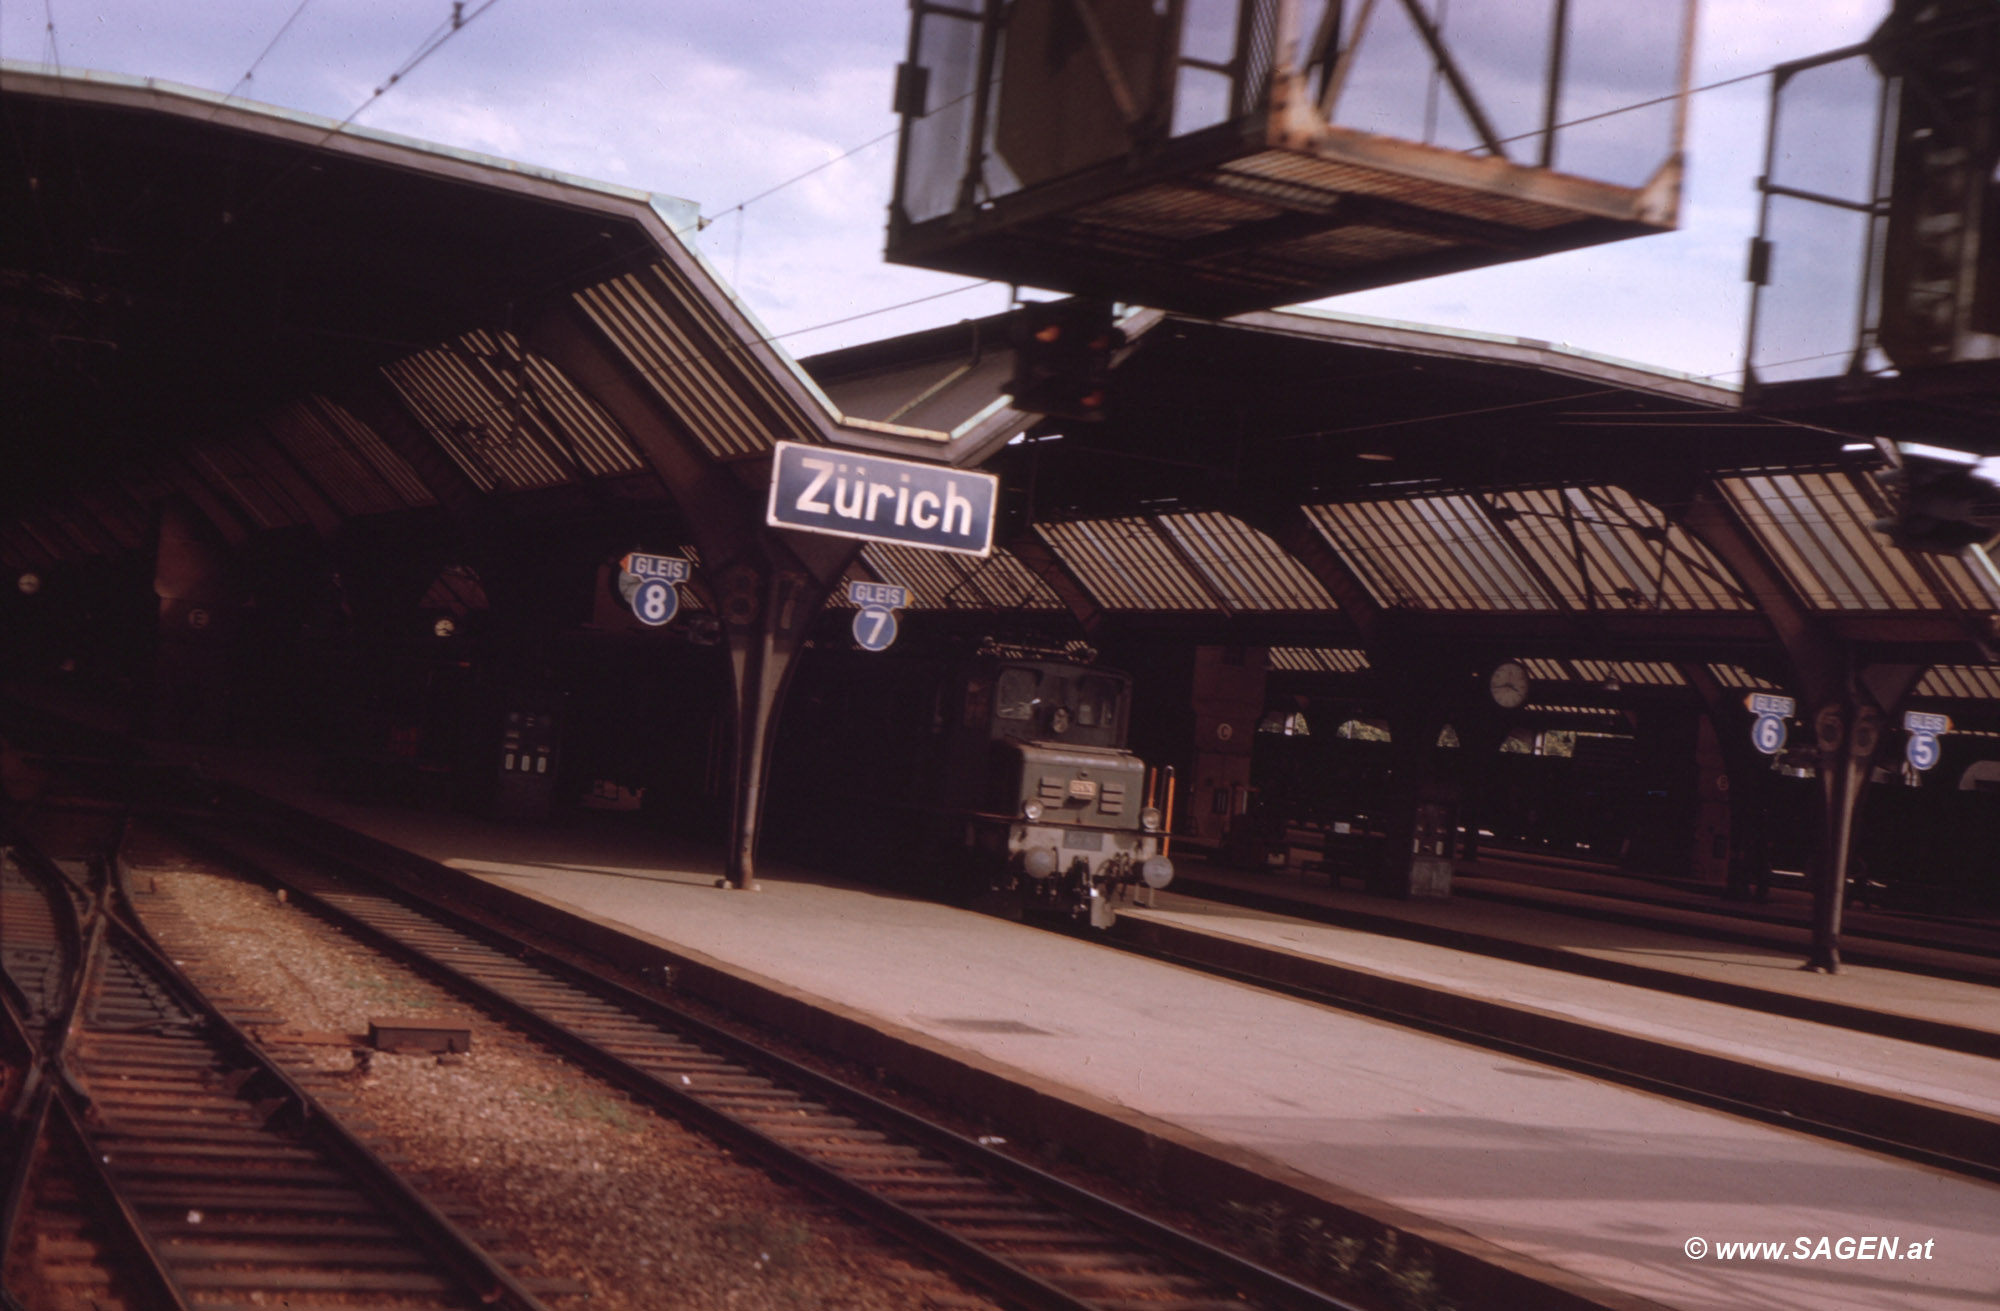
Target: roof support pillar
(371, 399)
(765, 613)
(722, 514)
(1041, 560)
(1288, 524)
(1747, 773)
(376, 403)
(200, 623)
(1662, 821)
(768, 602)
(1420, 827)
(768, 586)
(1847, 705)
(1482, 728)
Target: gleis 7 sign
(822, 489)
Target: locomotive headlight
(1149, 819)
(1040, 862)
(1158, 871)
(1031, 811)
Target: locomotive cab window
(978, 703)
(1054, 700)
(1097, 703)
(1016, 696)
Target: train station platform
(1700, 948)
(1783, 915)
(1511, 1171)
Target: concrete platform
(1955, 1013)
(1782, 916)
(1941, 1100)
(1515, 1171)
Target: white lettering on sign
(885, 595)
(856, 498)
(1916, 721)
(822, 473)
(1766, 703)
(670, 568)
(878, 498)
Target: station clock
(1508, 685)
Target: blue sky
(717, 103)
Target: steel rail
(1582, 1065)
(1614, 907)
(57, 1102)
(1281, 902)
(130, 1230)
(479, 1275)
(448, 964)
(120, 956)
(21, 1137)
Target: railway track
(1921, 1132)
(1949, 948)
(164, 1161)
(1033, 1240)
(67, 1258)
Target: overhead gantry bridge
(260, 368)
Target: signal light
(1062, 358)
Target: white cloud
(717, 103)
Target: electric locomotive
(1001, 778)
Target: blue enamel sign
(874, 628)
(655, 601)
(1767, 734)
(875, 621)
(1922, 749)
(667, 568)
(654, 598)
(845, 493)
(886, 595)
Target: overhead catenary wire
(569, 390)
(49, 40)
(760, 340)
(271, 45)
(456, 22)
(820, 167)
(1473, 412)
(1666, 99)
(742, 207)
(430, 45)
(825, 164)
(459, 19)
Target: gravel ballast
(634, 1207)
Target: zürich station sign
(821, 489)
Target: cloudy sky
(718, 103)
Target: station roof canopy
(289, 324)
(1316, 483)
(173, 263)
